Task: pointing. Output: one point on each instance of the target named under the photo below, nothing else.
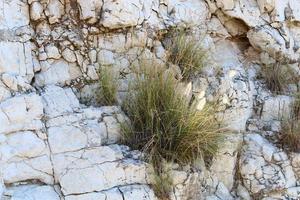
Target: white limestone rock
(36, 11)
(31, 192)
(52, 51)
(21, 113)
(90, 10)
(54, 11)
(58, 101)
(57, 72)
(4, 92)
(16, 58)
(78, 136)
(96, 169)
(263, 167)
(22, 145)
(235, 101)
(121, 13)
(276, 108)
(13, 14)
(105, 57)
(224, 163)
(190, 13)
(38, 168)
(69, 55)
(141, 192)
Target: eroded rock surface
(56, 142)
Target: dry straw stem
(187, 52)
(107, 95)
(291, 127)
(291, 134)
(278, 77)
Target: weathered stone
(15, 58)
(224, 163)
(31, 192)
(90, 10)
(69, 55)
(21, 113)
(96, 169)
(58, 101)
(59, 72)
(38, 168)
(260, 171)
(36, 11)
(54, 11)
(52, 51)
(14, 14)
(121, 13)
(276, 108)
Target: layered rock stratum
(57, 143)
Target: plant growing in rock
(163, 125)
(278, 77)
(291, 127)
(187, 52)
(107, 94)
(291, 134)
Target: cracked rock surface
(58, 143)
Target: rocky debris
(265, 168)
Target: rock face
(56, 142)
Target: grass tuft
(291, 134)
(291, 127)
(163, 125)
(188, 53)
(107, 95)
(278, 77)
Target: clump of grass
(187, 52)
(291, 127)
(296, 105)
(162, 183)
(278, 77)
(107, 95)
(291, 134)
(163, 125)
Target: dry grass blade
(291, 127)
(278, 77)
(107, 95)
(291, 134)
(187, 53)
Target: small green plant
(163, 125)
(187, 52)
(107, 95)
